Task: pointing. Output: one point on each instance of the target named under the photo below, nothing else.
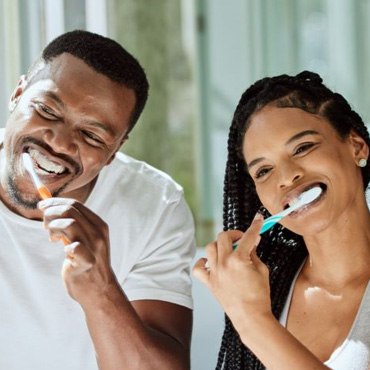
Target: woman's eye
(261, 172)
(303, 147)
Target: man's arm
(140, 335)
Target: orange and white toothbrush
(43, 191)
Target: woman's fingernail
(258, 217)
(206, 266)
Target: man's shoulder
(137, 172)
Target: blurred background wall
(200, 55)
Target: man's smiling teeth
(44, 164)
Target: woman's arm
(240, 282)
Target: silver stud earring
(362, 162)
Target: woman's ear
(360, 148)
(14, 98)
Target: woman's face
(288, 151)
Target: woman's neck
(340, 253)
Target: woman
(311, 271)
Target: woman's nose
(61, 139)
(289, 173)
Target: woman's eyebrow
(254, 162)
(290, 140)
(300, 135)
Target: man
(128, 231)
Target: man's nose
(61, 139)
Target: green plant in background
(164, 137)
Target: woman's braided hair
(280, 249)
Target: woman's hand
(237, 278)
(240, 282)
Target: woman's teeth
(44, 164)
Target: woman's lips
(308, 206)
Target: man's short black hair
(105, 56)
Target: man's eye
(91, 137)
(45, 111)
(303, 147)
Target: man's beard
(19, 198)
(30, 201)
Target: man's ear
(125, 138)
(360, 148)
(111, 159)
(14, 98)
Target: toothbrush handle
(44, 193)
(270, 222)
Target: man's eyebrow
(54, 96)
(292, 139)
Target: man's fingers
(70, 248)
(79, 256)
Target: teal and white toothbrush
(303, 199)
(306, 197)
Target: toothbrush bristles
(28, 165)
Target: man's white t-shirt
(152, 246)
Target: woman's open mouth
(323, 188)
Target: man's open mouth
(44, 165)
